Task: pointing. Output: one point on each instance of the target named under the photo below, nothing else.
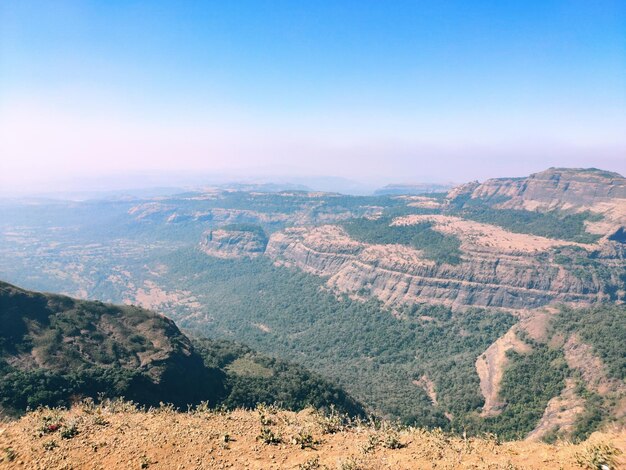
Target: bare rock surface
(491, 364)
(580, 356)
(569, 189)
(490, 368)
(560, 413)
(487, 276)
(223, 243)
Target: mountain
(511, 242)
(235, 241)
(412, 189)
(440, 310)
(564, 189)
(54, 348)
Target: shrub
(598, 456)
(311, 464)
(267, 436)
(305, 440)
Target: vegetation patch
(90, 349)
(529, 382)
(602, 327)
(553, 224)
(246, 366)
(368, 350)
(443, 248)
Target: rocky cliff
(567, 189)
(234, 243)
(498, 268)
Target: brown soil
(120, 438)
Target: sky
(378, 92)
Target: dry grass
(481, 236)
(118, 435)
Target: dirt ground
(117, 437)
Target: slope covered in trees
(54, 349)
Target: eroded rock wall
(400, 274)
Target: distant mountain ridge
(412, 189)
(383, 282)
(521, 241)
(569, 189)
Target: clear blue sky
(374, 90)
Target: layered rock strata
(487, 276)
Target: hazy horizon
(123, 95)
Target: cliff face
(488, 275)
(233, 243)
(552, 188)
(498, 268)
(567, 189)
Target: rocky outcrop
(560, 414)
(555, 188)
(498, 268)
(234, 243)
(487, 276)
(580, 357)
(567, 189)
(491, 364)
(490, 368)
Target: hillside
(421, 363)
(419, 306)
(511, 242)
(508, 242)
(55, 349)
(576, 190)
(115, 435)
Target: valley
(437, 309)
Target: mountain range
(494, 306)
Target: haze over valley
(330, 235)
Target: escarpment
(566, 189)
(486, 276)
(550, 189)
(499, 265)
(237, 242)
